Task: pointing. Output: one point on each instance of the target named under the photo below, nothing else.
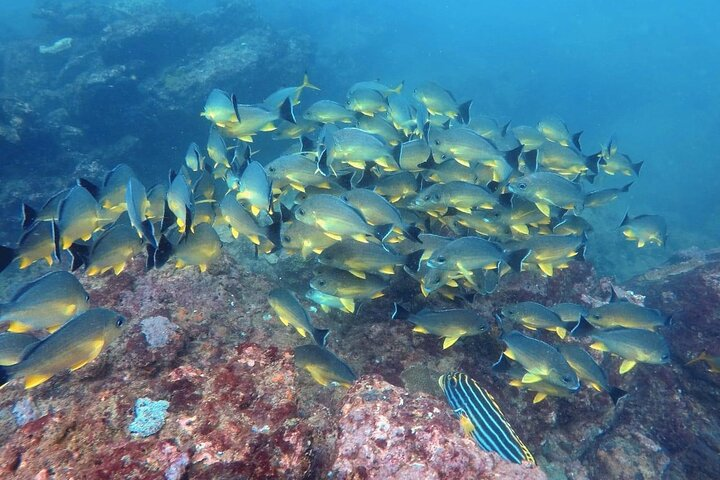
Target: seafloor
(237, 408)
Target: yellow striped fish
(482, 418)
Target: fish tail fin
(306, 83)
(636, 167)
(512, 157)
(29, 215)
(322, 164)
(504, 129)
(580, 252)
(148, 232)
(515, 258)
(583, 328)
(576, 139)
(307, 144)
(412, 261)
(273, 230)
(382, 231)
(502, 365)
(90, 187)
(399, 312)
(592, 162)
(616, 394)
(158, 256)
(429, 164)
(464, 111)
(5, 376)
(7, 255)
(80, 255)
(530, 159)
(398, 88)
(320, 336)
(626, 188)
(701, 356)
(412, 233)
(286, 111)
(626, 219)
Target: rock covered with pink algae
(387, 433)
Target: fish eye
(522, 186)
(436, 197)
(665, 356)
(286, 238)
(596, 316)
(437, 142)
(441, 259)
(443, 156)
(344, 198)
(566, 379)
(321, 282)
(271, 169)
(301, 211)
(426, 197)
(119, 322)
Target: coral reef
(149, 417)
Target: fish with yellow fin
(323, 366)
(645, 229)
(12, 346)
(451, 325)
(200, 248)
(79, 216)
(74, 345)
(111, 250)
(290, 312)
(45, 303)
(712, 361)
(533, 316)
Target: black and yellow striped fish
(482, 418)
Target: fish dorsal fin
(32, 381)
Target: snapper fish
(324, 366)
(327, 302)
(73, 346)
(12, 346)
(39, 242)
(45, 303)
(109, 251)
(633, 345)
(290, 312)
(546, 189)
(327, 111)
(451, 325)
(540, 360)
(533, 316)
(644, 229)
(555, 130)
(589, 371)
(481, 418)
(199, 248)
(79, 216)
(438, 101)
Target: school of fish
(380, 186)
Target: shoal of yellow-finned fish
(382, 184)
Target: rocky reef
(237, 408)
(128, 89)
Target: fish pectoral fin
(301, 331)
(419, 329)
(626, 366)
(358, 274)
(466, 423)
(297, 186)
(452, 283)
(203, 267)
(17, 327)
(254, 210)
(449, 342)
(508, 353)
(515, 383)
(561, 332)
(235, 233)
(119, 268)
(377, 295)
(599, 346)
(539, 397)
(641, 243)
(53, 328)
(546, 268)
(32, 381)
(284, 321)
(254, 239)
(531, 378)
(521, 228)
(325, 308)
(596, 386)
